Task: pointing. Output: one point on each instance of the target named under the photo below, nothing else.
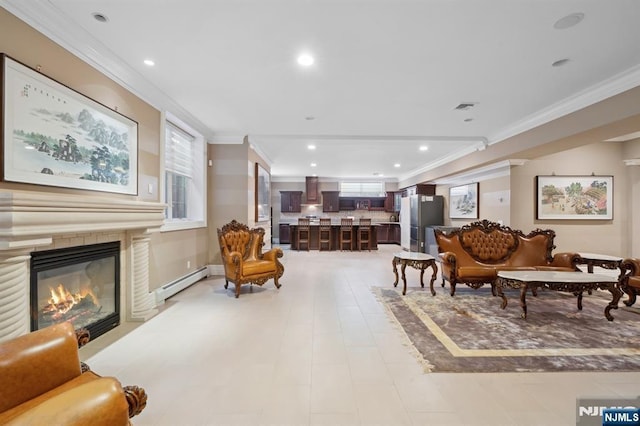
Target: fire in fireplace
(77, 284)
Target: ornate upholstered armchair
(44, 382)
(244, 262)
(630, 279)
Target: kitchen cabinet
(395, 234)
(290, 201)
(312, 189)
(388, 233)
(285, 233)
(392, 201)
(377, 204)
(419, 189)
(330, 201)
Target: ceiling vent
(466, 106)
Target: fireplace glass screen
(77, 284)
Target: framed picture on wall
(463, 201)
(53, 135)
(574, 197)
(262, 194)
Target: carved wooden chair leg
(237, 290)
(136, 398)
(632, 297)
(226, 284)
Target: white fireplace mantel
(30, 219)
(34, 220)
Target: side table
(419, 261)
(602, 260)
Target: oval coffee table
(416, 260)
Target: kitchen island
(314, 230)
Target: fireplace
(76, 284)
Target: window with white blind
(362, 189)
(184, 189)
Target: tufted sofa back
(490, 247)
(491, 243)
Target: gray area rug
(471, 333)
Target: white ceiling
(387, 77)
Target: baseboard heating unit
(168, 290)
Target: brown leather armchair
(630, 279)
(44, 383)
(244, 262)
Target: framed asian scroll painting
(463, 201)
(574, 197)
(55, 136)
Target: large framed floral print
(53, 135)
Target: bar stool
(303, 232)
(324, 233)
(364, 234)
(346, 233)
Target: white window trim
(182, 224)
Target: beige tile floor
(319, 351)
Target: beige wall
(599, 236)
(169, 252)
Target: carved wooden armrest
(82, 336)
(136, 398)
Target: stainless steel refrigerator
(425, 210)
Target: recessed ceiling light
(568, 21)
(311, 147)
(309, 118)
(467, 120)
(396, 165)
(305, 60)
(149, 62)
(560, 62)
(313, 164)
(424, 148)
(100, 17)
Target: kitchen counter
(314, 229)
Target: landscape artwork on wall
(463, 201)
(263, 194)
(574, 197)
(55, 136)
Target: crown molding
(632, 162)
(491, 171)
(44, 17)
(615, 85)
(480, 146)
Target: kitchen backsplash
(376, 216)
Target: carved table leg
(422, 268)
(523, 300)
(434, 267)
(395, 270)
(404, 277)
(617, 294)
(504, 302)
(579, 300)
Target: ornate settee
(630, 279)
(475, 253)
(244, 262)
(44, 382)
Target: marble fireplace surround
(31, 221)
